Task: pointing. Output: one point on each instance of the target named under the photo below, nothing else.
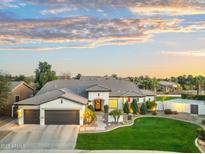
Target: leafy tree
(114, 76)
(134, 106)
(23, 78)
(91, 107)
(143, 108)
(116, 114)
(126, 108)
(78, 76)
(44, 74)
(151, 105)
(4, 90)
(89, 116)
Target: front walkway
(98, 126)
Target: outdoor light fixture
(20, 113)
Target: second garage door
(31, 116)
(62, 117)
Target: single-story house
(167, 87)
(64, 101)
(19, 90)
(183, 105)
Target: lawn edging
(198, 146)
(144, 116)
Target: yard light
(20, 113)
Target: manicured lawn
(160, 98)
(146, 134)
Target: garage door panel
(31, 116)
(62, 117)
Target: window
(113, 103)
(17, 98)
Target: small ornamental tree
(106, 108)
(91, 107)
(116, 114)
(134, 106)
(151, 105)
(126, 108)
(89, 116)
(143, 109)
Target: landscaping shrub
(203, 122)
(126, 108)
(151, 105)
(167, 111)
(91, 107)
(129, 117)
(116, 114)
(174, 112)
(134, 106)
(89, 116)
(154, 113)
(201, 133)
(106, 108)
(143, 109)
(193, 96)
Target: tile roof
(52, 95)
(98, 88)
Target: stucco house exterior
(19, 91)
(168, 87)
(64, 101)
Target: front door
(98, 104)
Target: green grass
(146, 134)
(166, 98)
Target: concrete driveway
(40, 138)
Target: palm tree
(154, 85)
(199, 81)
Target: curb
(198, 146)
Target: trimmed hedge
(192, 96)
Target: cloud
(89, 31)
(146, 7)
(56, 11)
(169, 7)
(84, 29)
(185, 53)
(11, 4)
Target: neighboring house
(19, 91)
(183, 105)
(64, 101)
(167, 87)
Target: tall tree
(78, 76)
(154, 85)
(27, 79)
(44, 74)
(199, 80)
(114, 76)
(4, 90)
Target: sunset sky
(159, 38)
